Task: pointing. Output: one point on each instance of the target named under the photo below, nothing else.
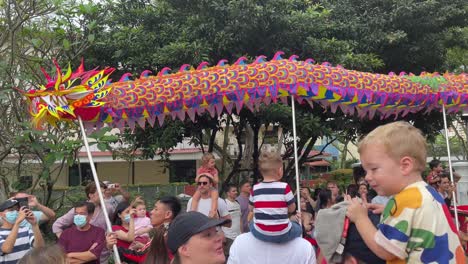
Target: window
(74, 174)
(271, 135)
(182, 171)
(24, 182)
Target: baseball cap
(8, 204)
(186, 225)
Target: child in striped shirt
(271, 201)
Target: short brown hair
(137, 203)
(332, 182)
(91, 188)
(206, 175)
(399, 139)
(269, 161)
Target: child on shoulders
(208, 168)
(271, 201)
(416, 226)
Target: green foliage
(411, 36)
(32, 33)
(376, 36)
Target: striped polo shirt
(270, 201)
(23, 244)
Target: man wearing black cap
(195, 238)
(16, 241)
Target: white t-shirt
(246, 249)
(113, 201)
(235, 211)
(204, 206)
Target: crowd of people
(388, 214)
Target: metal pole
(450, 166)
(98, 187)
(296, 162)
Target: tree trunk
(211, 142)
(248, 147)
(238, 130)
(344, 154)
(227, 130)
(255, 153)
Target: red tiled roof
(316, 152)
(138, 152)
(317, 163)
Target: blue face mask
(24, 223)
(79, 220)
(11, 216)
(127, 219)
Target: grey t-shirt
(244, 205)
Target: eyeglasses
(202, 183)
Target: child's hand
(213, 214)
(356, 210)
(376, 208)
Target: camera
(23, 202)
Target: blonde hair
(399, 139)
(269, 161)
(207, 157)
(44, 255)
(138, 203)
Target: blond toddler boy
(416, 226)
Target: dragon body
(189, 92)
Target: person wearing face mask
(42, 213)
(83, 242)
(97, 218)
(124, 224)
(16, 241)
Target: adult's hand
(32, 201)
(111, 240)
(21, 215)
(136, 245)
(376, 208)
(30, 217)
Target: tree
(377, 36)
(32, 33)
(410, 36)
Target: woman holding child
(124, 224)
(154, 251)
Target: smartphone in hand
(23, 202)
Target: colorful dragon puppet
(188, 92)
(69, 95)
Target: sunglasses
(202, 183)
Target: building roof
(317, 163)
